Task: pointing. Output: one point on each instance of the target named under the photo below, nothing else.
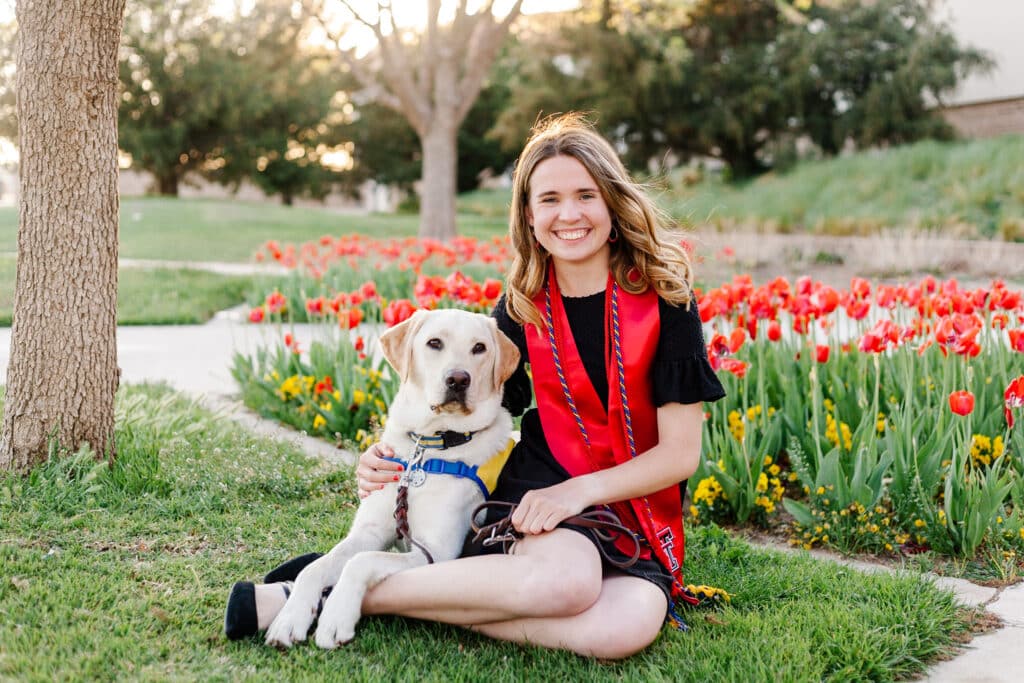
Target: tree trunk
(167, 185)
(439, 181)
(63, 370)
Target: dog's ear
(506, 359)
(396, 343)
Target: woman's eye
(479, 348)
(435, 344)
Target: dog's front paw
(290, 626)
(337, 625)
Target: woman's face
(570, 218)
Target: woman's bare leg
(556, 574)
(626, 618)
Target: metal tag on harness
(413, 477)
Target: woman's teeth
(572, 234)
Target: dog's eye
(435, 344)
(478, 348)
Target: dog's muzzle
(456, 385)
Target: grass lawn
(228, 230)
(123, 572)
(159, 296)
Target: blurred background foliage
(754, 84)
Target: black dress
(682, 374)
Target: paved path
(196, 359)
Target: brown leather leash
(605, 524)
(402, 521)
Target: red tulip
(823, 350)
(736, 339)
(1017, 340)
(492, 288)
(315, 306)
(1014, 398)
(256, 315)
(276, 301)
(961, 402)
(398, 311)
(774, 331)
(736, 367)
(348, 319)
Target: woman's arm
(672, 460)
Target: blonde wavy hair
(648, 242)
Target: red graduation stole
(582, 435)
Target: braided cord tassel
(549, 321)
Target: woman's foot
(252, 607)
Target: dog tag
(415, 477)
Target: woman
(598, 300)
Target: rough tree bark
(63, 365)
(432, 79)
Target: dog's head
(452, 365)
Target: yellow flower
(359, 397)
(774, 470)
(708, 490)
(319, 421)
(290, 388)
(762, 482)
(736, 425)
(820, 491)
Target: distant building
(991, 104)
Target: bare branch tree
(432, 78)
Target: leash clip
(495, 539)
(414, 476)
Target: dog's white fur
(439, 509)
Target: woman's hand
(541, 510)
(373, 472)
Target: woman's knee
(639, 615)
(566, 577)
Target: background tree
(63, 367)
(182, 89)
(432, 78)
(873, 72)
(614, 59)
(243, 95)
(736, 79)
(297, 115)
(386, 148)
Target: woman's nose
(569, 210)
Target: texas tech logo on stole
(667, 540)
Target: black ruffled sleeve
(682, 373)
(518, 393)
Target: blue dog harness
(417, 469)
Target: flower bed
(880, 417)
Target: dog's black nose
(457, 380)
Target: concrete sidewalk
(196, 359)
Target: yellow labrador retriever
(445, 423)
